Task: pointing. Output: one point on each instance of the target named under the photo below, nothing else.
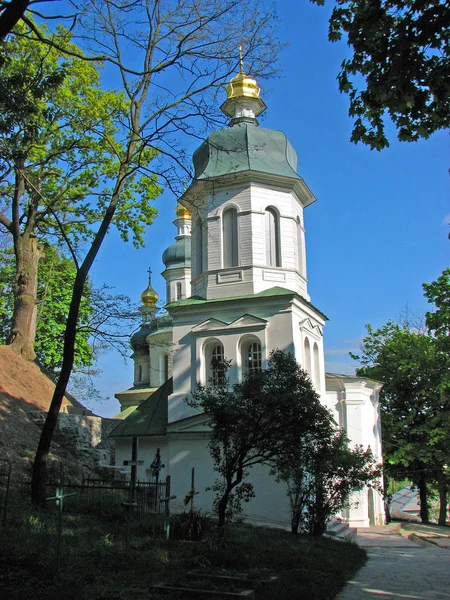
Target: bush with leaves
(255, 421)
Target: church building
(236, 288)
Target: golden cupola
(182, 213)
(149, 297)
(243, 102)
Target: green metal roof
(125, 413)
(245, 147)
(178, 254)
(149, 418)
(275, 291)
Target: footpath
(405, 561)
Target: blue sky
(377, 231)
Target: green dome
(178, 255)
(137, 340)
(245, 147)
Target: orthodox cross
(149, 271)
(59, 499)
(189, 498)
(241, 60)
(166, 501)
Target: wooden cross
(190, 495)
(133, 463)
(166, 501)
(59, 498)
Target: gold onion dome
(243, 86)
(243, 99)
(182, 212)
(149, 297)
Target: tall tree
(255, 421)
(438, 323)
(169, 57)
(105, 318)
(59, 147)
(415, 416)
(400, 65)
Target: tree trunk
(295, 522)
(23, 329)
(442, 487)
(12, 14)
(222, 508)
(39, 476)
(422, 485)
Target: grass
(96, 566)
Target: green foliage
(255, 421)
(62, 133)
(321, 473)
(399, 65)
(104, 319)
(438, 293)
(56, 275)
(415, 408)
(189, 526)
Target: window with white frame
(198, 247)
(215, 363)
(179, 291)
(230, 238)
(272, 238)
(166, 367)
(252, 356)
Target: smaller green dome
(178, 255)
(137, 340)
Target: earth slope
(24, 390)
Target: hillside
(24, 390)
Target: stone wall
(86, 436)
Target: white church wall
(270, 505)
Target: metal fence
(5, 482)
(91, 494)
(148, 495)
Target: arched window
(230, 238)
(307, 357)
(273, 257)
(139, 373)
(214, 363)
(316, 365)
(168, 298)
(252, 358)
(299, 246)
(166, 367)
(179, 291)
(198, 247)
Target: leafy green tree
(105, 318)
(400, 65)
(56, 274)
(438, 293)
(438, 323)
(59, 147)
(322, 472)
(255, 421)
(415, 415)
